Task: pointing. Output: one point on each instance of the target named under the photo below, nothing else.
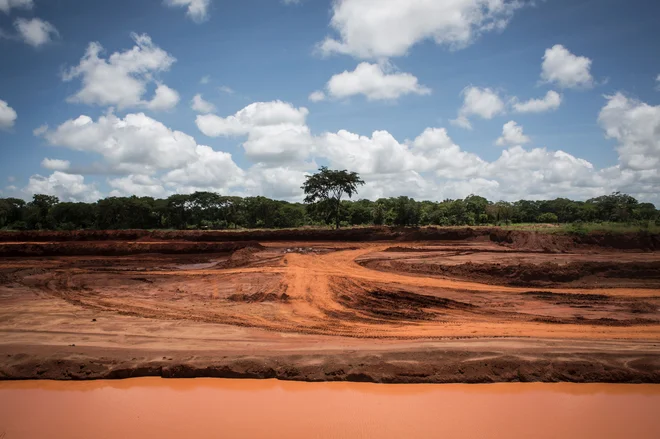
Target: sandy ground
(430, 311)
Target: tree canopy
(326, 188)
(209, 210)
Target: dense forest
(207, 210)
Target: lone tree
(326, 188)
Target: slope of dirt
(118, 248)
(546, 274)
(318, 311)
(350, 235)
(555, 242)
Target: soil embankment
(426, 305)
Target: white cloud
(213, 169)
(7, 5)
(376, 82)
(635, 126)
(388, 28)
(40, 130)
(67, 187)
(291, 2)
(140, 185)
(539, 173)
(205, 80)
(8, 116)
(551, 101)
(122, 79)
(317, 96)
(482, 102)
(55, 164)
(197, 10)
(35, 32)
(156, 160)
(381, 154)
(276, 131)
(565, 69)
(227, 90)
(199, 105)
(276, 182)
(136, 142)
(164, 98)
(512, 134)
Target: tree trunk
(337, 214)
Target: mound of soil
(399, 305)
(527, 274)
(553, 242)
(259, 297)
(242, 257)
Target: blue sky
(394, 115)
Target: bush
(547, 217)
(18, 225)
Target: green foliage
(325, 189)
(207, 210)
(547, 217)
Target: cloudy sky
(432, 99)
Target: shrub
(547, 217)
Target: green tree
(326, 188)
(547, 217)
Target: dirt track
(402, 311)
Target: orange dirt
(313, 304)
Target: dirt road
(365, 310)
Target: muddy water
(212, 408)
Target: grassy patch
(585, 228)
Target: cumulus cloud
(565, 69)
(121, 80)
(56, 164)
(197, 10)
(512, 134)
(317, 96)
(7, 5)
(40, 130)
(551, 101)
(381, 154)
(276, 131)
(8, 116)
(376, 82)
(136, 142)
(226, 90)
(388, 28)
(35, 32)
(482, 102)
(199, 105)
(212, 169)
(67, 187)
(635, 126)
(164, 98)
(140, 185)
(149, 158)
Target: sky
(432, 99)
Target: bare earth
(471, 310)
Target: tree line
(207, 210)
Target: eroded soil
(476, 309)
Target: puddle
(217, 408)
